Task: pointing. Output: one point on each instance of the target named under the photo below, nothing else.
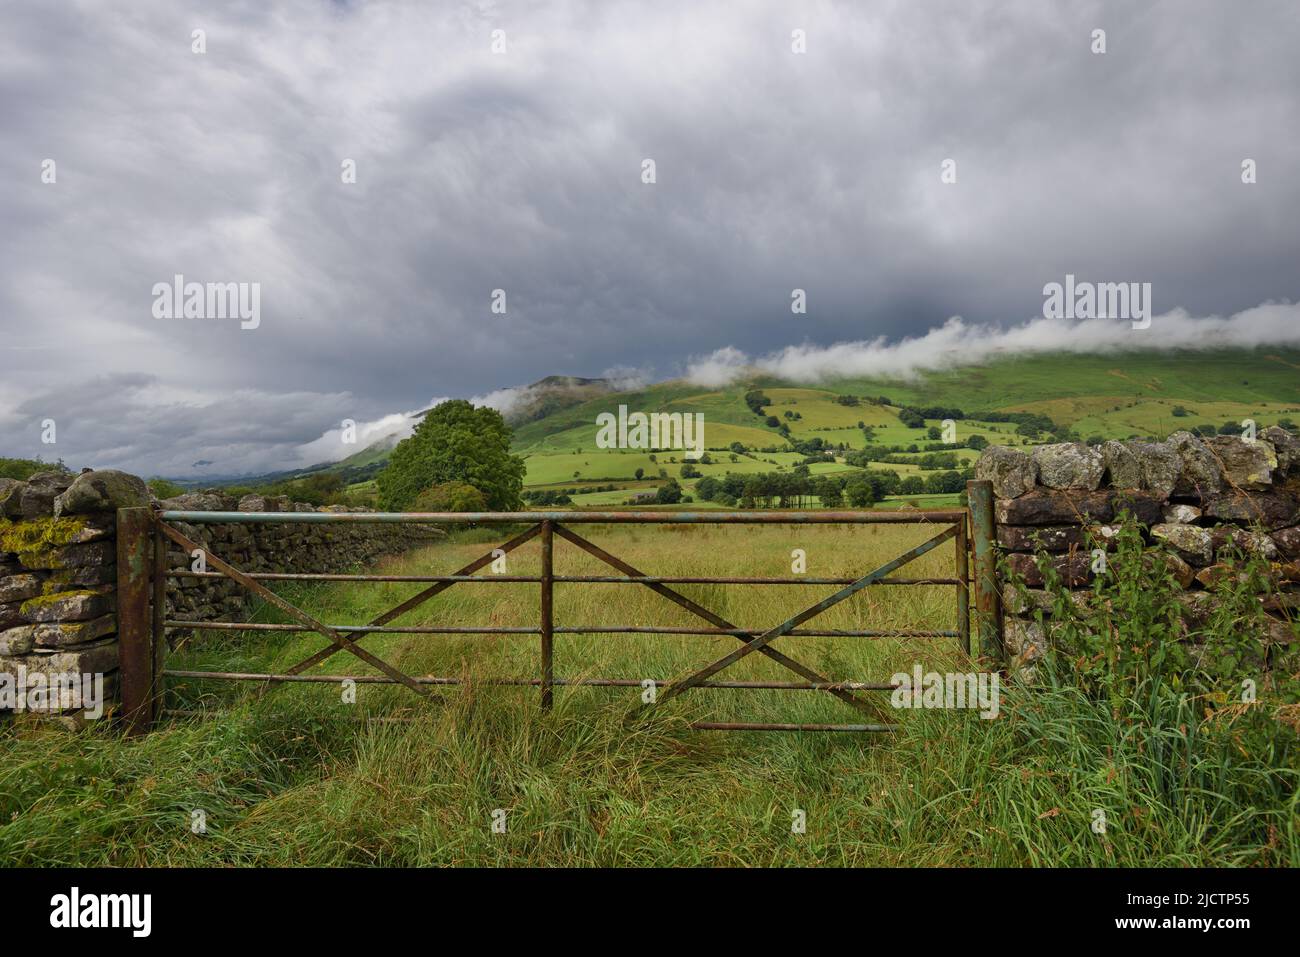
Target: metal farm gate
(143, 535)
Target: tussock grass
(292, 776)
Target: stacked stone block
(58, 575)
(300, 548)
(1197, 500)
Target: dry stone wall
(1199, 501)
(58, 558)
(271, 548)
(58, 573)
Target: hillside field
(1083, 397)
(1144, 395)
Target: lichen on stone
(41, 601)
(38, 534)
(56, 582)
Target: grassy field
(1252, 377)
(1118, 417)
(291, 775)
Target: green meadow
(1117, 396)
(296, 775)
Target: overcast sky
(522, 170)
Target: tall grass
(291, 775)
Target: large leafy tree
(456, 442)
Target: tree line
(799, 489)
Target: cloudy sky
(522, 169)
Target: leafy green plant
(1171, 687)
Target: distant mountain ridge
(552, 394)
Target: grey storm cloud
(522, 171)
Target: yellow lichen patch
(42, 601)
(38, 534)
(56, 582)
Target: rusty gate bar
(963, 590)
(988, 612)
(531, 682)
(586, 579)
(750, 726)
(569, 630)
(158, 632)
(143, 635)
(548, 623)
(763, 517)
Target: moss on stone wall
(57, 582)
(41, 601)
(38, 534)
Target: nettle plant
(1136, 623)
(1236, 628)
(1165, 691)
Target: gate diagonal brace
(415, 601)
(761, 642)
(677, 598)
(301, 616)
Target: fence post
(548, 624)
(158, 632)
(988, 612)
(134, 534)
(963, 589)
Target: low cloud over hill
(958, 343)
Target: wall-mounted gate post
(548, 622)
(988, 612)
(134, 626)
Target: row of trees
(1028, 424)
(928, 462)
(800, 489)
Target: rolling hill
(1142, 394)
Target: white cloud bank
(330, 447)
(957, 343)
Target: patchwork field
(1145, 395)
(1122, 417)
(1105, 397)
